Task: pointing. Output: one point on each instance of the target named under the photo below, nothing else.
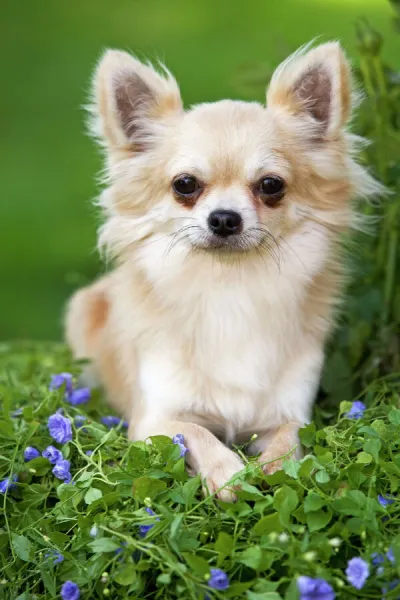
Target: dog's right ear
(129, 99)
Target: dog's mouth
(230, 244)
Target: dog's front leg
(206, 455)
(292, 400)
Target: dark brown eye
(271, 189)
(185, 185)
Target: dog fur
(219, 340)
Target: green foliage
(309, 519)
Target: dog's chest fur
(219, 336)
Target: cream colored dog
(225, 221)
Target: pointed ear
(128, 97)
(317, 85)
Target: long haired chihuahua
(225, 223)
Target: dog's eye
(185, 185)
(271, 189)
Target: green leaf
(197, 564)
(268, 524)
(285, 501)
(322, 476)
(319, 519)
(307, 435)
(92, 495)
(251, 557)
(103, 545)
(49, 581)
(146, 487)
(364, 458)
(263, 596)
(394, 416)
(373, 448)
(6, 430)
(291, 468)
(22, 547)
(224, 544)
(125, 576)
(313, 502)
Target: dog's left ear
(315, 85)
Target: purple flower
(60, 379)
(391, 586)
(52, 454)
(377, 559)
(357, 572)
(144, 529)
(112, 421)
(55, 556)
(314, 589)
(79, 396)
(121, 548)
(70, 591)
(390, 555)
(79, 420)
(30, 453)
(356, 411)
(89, 452)
(218, 579)
(8, 484)
(61, 470)
(60, 428)
(384, 500)
(179, 440)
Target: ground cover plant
(84, 513)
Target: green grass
(308, 519)
(48, 167)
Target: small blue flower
(60, 428)
(112, 421)
(61, 379)
(79, 420)
(121, 548)
(70, 591)
(179, 440)
(89, 452)
(391, 586)
(16, 413)
(93, 531)
(390, 555)
(356, 411)
(52, 454)
(61, 470)
(79, 396)
(377, 559)
(56, 557)
(144, 529)
(357, 572)
(218, 579)
(8, 484)
(384, 500)
(314, 589)
(30, 453)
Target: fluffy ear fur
(128, 97)
(316, 85)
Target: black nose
(225, 222)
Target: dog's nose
(225, 222)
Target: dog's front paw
(217, 476)
(272, 460)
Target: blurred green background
(48, 167)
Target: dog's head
(229, 176)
